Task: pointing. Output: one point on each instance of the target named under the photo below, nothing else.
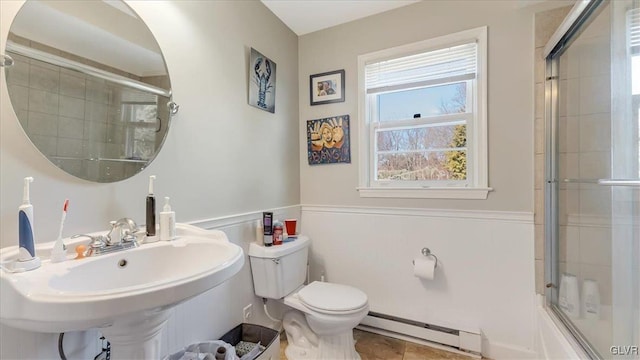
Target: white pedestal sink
(128, 295)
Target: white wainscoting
(485, 275)
(207, 316)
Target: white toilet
(321, 326)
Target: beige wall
(221, 155)
(510, 96)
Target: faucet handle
(130, 224)
(96, 241)
(122, 230)
(110, 235)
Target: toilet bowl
(320, 324)
(329, 308)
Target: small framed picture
(327, 88)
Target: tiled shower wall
(546, 23)
(71, 117)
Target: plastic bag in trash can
(200, 350)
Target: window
(141, 122)
(422, 119)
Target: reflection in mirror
(89, 86)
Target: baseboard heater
(470, 342)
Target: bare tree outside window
(432, 151)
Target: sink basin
(118, 291)
(144, 268)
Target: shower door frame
(559, 42)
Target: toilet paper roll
(424, 267)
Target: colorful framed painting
(262, 82)
(328, 140)
(327, 88)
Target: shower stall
(592, 191)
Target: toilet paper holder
(427, 252)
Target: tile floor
(372, 346)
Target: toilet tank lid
(271, 252)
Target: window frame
(476, 184)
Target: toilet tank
(278, 270)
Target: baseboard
(468, 343)
(497, 351)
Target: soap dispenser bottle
(151, 210)
(167, 222)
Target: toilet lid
(332, 297)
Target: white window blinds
(455, 63)
(633, 21)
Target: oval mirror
(89, 86)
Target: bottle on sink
(167, 222)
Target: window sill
(425, 193)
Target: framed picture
(262, 82)
(327, 88)
(328, 140)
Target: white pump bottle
(167, 222)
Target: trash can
(244, 337)
(199, 350)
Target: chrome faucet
(124, 231)
(96, 245)
(120, 237)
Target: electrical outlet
(247, 311)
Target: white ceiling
(306, 16)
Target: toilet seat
(335, 299)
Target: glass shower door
(625, 181)
(595, 181)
